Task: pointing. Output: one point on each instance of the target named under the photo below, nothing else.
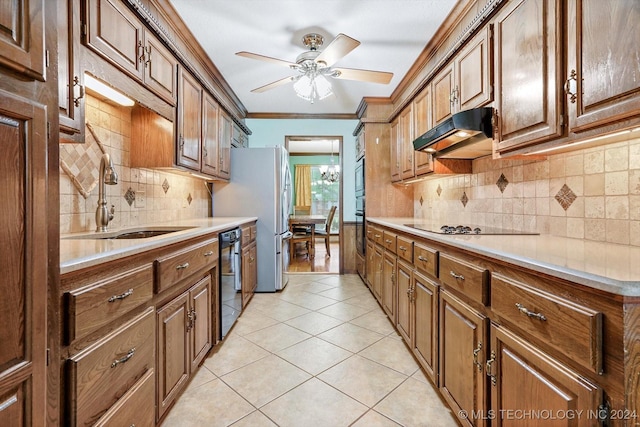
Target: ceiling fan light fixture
(313, 87)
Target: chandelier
(330, 173)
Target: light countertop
(77, 252)
(606, 266)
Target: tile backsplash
(142, 196)
(591, 194)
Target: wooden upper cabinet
(394, 145)
(443, 86)
(114, 32)
(189, 121)
(473, 72)
(528, 61)
(160, 68)
(423, 162)
(210, 135)
(602, 64)
(70, 76)
(22, 46)
(224, 145)
(405, 143)
(23, 306)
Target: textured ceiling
(392, 33)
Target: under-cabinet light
(107, 91)
(586, 141)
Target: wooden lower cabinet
(424, 323)
(378, 263)
(249, 272)
(529, 387)
(135, 408)
(184, 329)
(405, 311)
(463, 343)
(389, 285)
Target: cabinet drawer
(469, 279)
(182, 264)
(377, 236)
(136, 407)
(254, 232)
(389, 241)
(574, 330)
(426, 259)
(245, 232)
(405, 248)
(102, 373)
(93, 306)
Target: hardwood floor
(320, 264)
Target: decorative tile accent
(165, 186)
(502, 182)
(464, 199)
(189, 198)
(439, 190)
(130, 196)
(565, 197)
(421, 200)
(81, 162)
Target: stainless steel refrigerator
(260, 186)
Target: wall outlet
(141, 199)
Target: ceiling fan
(314, 66)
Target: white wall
(272, 132)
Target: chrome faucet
(108, 176)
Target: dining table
(306, 221)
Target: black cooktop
(467, 229)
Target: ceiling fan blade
(382, 77)
(267, 59)
(273, 84)
(337, 49)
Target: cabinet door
(224, 146)
(528, 52)
(200, 314)
(425, 324)
(602, 65)
(395, 148)
(70, 77)
(189, 121)
(371, 264)
(463, 383)
(23, 268)
(160, 68)
(527, 381)
(173, 351)
(442, 86)
(22, 47)
(422, 123)
(473, 72)
(389, 285)
(377, 273)
(210, 132)
(405, 301)
(249, 273)
(405, 141)
(114, 32)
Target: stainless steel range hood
(465, 135)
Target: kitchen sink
(134, 233)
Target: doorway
(320, 157)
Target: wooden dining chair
(326, 233)
(299, 237)
(301, 210)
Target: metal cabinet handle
(494, 380)
(377, 236)
(125, 358)
(525, 310)
(121, 296)
(571, 86)
(456, 276)
(76, 82)
(475, 356)
(402, 248)
(208, 253)
(421, 258)
(182, 266)
(387, 240)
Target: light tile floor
(320, 353)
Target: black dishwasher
(230, 279)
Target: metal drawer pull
(10, 401)
(125, 358)
(421, 258)
(387, 240)
(182, 266)
(402, 248)
(208, 253)
(525, 310)
(456, 276)
(121, 296)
